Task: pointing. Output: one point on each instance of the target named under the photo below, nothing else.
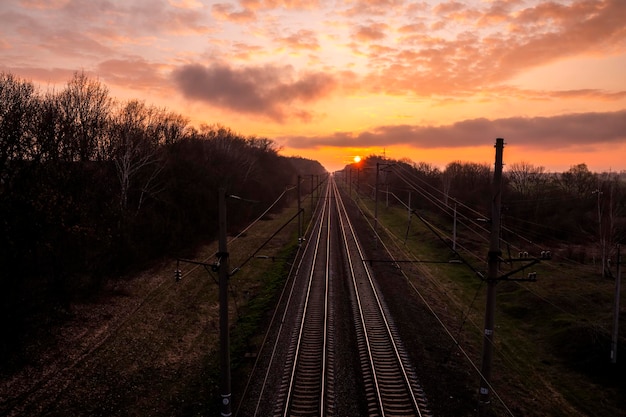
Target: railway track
(306, 392)
(390, 381)
(333, 258)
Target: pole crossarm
(506, 276)
(190, 261)
(236, 197)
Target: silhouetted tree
(526, 178)
(579, 181)
(85, 108)
(18, 103)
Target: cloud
(134, 73)
(475, 45)
(44, 75)
(360, 8)
(302, 39)
(547, 133)
(186, 4)
(564, 31)
(448, 8)
(43, 4)
(78, 31)
(226, 11)
(372, 32)
(267, 91)
(281, 4)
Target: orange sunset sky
(434, 81)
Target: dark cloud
(267, 91)
(557, 132)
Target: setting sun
(357, 159)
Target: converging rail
(333, 288)
(390, 382)
(307, 392)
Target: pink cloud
(425, 64)
(360, 8)
(302, 39)
(43, 4)
(372, 32)
(245, 51)
(225, 11)
(132, 73)
(42, 75)
(448, 8)
(186, 4)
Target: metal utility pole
(223, 298)
(299, 212)
(616, 309)
(312, 189)
(492, 278)
(601, 232)
(376, 200)
(454, 229)
(350, 182)
(408, 225)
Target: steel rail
(306, 393)
(289, 295)
(380, 342)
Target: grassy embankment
(552, 337)
(150, 345)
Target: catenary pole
(299, 212)
(492, 278)
(616, 309)
(223, 298)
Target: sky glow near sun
(433, 81)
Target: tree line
(91, 187)
(579, 211)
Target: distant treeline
(581, 211)
(90, 187)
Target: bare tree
(85, 108)
(18, 101)
(579, 181)
(47, 128)
(526, 178)
(135, 149)
(468, 180)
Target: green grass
(552, 336)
